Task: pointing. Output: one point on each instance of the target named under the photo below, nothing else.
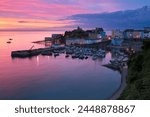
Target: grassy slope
(138, 79)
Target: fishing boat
(94, 57)
(114, 61)
(8, 42)
(56, 54)
(67, 56)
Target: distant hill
(137, 18)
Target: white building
(81, 41)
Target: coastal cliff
(138, 79)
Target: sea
(49, 77)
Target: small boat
(81, 57)
(74, 56)
(86, 57)
(114, 61)
(56, 54)
(94, 57)
(56, 46)
(8, 42)
(102, 55)
(67, 56)
(10, 39)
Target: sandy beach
(123, 84)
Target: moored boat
(56, 54)
(67, 56)
(94, 57)
(8, 42)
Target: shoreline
(117, 93)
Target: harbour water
(47, 77)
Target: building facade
(81, 41)
(56, 36)
(117, 34)
(128, 34)
(97, 33)
(138, 34)
(116, 42)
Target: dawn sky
(46, 14)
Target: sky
(51, 14)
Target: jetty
(27, 53)
(72, 51)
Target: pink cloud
(39, 8)
(51, 10)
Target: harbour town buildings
(132, 33)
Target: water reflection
(46, 77)
(37, 59)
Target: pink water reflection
(46, 77)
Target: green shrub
(138, 79)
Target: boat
(8, 42)
(114, 61)
(56, 54)
(102, 55)
(94, 57)
(86, 57)
(81, 57)
(56, 46)
(67, 56)
(74, 56)
(69, 52)
(10, 39)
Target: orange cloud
(15, 23)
